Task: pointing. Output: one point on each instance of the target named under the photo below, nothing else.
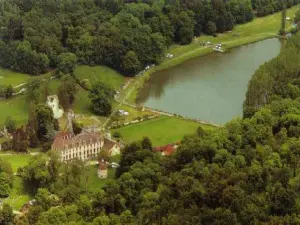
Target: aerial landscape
(150, 112)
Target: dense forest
(265, 7)
(246, 172)
(278, 78)
(123, 34)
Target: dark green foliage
(67, 91)
(6, 215)
(20, 140)
(10, 124)
(283, 21)
(265, 7)
(77, 127)
(101, 97)
(278, 78)
(6, 178)
(146, 144)
(21, 57)
(45, 122)
(211, 28)
(131, 64)
(126, 35)
(246, 171)
(66, 63)
(4, 185)
(41, 172)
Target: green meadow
(17, 107)
(162, 130)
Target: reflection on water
(210, 88)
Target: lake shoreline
(183, 58)
(243, 39)
(210, 88)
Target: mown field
(8, 77)
(17, 107)
(100, 73)
(163, 130)
(14, 107)
(259, 29)
(16, 160)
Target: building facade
(83, 146)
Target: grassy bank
(17, 107)
(256, 30)
(161, 131)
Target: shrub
(116, 135)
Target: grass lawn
(18, 197)
(16, 161)
(18, 108)
(9, 77)
(161, 131)
(14, 107)
(259, 29)
(100, 73)
(95, 183)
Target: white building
(84, 146)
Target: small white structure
(53, 103)
(288, 18)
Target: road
(121, 102)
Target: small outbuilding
(102, 170)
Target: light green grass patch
(16, 160)
(100, 73)
(9, 77)
(161, 131)
(16, 108)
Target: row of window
(86, 154)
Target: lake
(211, 87)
